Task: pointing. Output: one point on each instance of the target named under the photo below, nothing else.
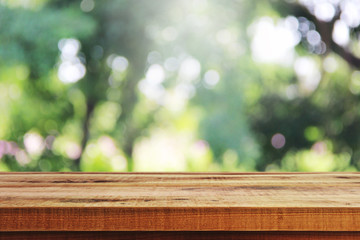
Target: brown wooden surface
(179, 202)
(181, 235)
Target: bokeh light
(278, 141)
(274, 42)
(179, 86)
(71, 68)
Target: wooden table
(180, 205)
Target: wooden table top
(179, 201)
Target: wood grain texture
(181, 235)
(179, 202)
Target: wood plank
(179, 202)
(181, 235)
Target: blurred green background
(201, 85)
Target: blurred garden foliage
(201, 85)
